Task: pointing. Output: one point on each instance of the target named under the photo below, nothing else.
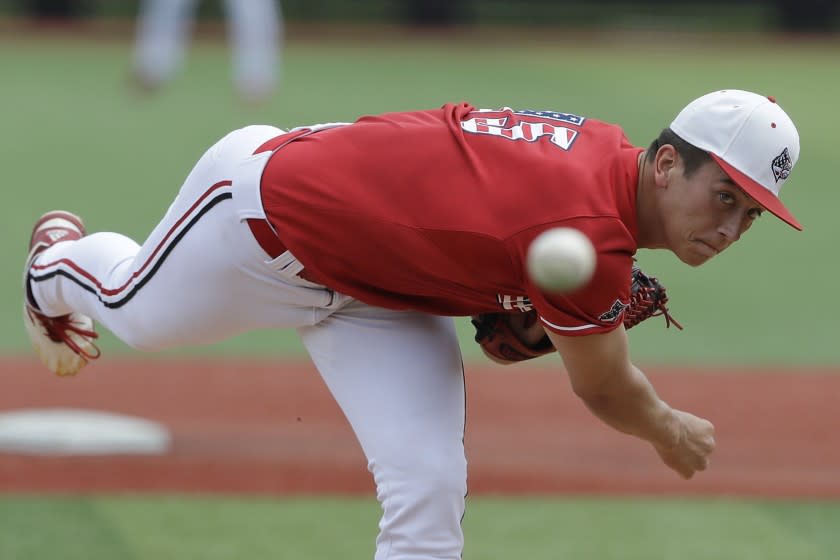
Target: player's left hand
(507, 338)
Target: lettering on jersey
(553, 115)
(560, 136)
(522, 303)
(614, 313)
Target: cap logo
(782, 165)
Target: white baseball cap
(750, 137)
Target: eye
(726, 197)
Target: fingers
(687, 471)
(692, 453)
(701, 464)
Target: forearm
(630, 404)
(619, 394)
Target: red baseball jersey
(434, 210)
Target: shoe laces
(59, 329)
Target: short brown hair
(693, 158)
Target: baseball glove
(514, 337)
(647, 299)
(511, 337)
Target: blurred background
(103, 112)
(786, 15)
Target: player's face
(706, 213)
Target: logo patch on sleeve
(614, 312)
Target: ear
(664, 164)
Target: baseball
(561, 260)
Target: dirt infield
(268, 427)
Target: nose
(732, 228)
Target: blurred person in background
(255, 30)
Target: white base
(79, 432)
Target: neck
(650, 225)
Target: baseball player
(367, 237)
(255, 28)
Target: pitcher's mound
(60, 431)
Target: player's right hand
(694, 444)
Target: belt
(270, 243)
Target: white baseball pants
(201, 277)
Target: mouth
(706, 248)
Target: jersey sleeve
(599, 306)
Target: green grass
(74, 136)
(208, 528)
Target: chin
(692, 258)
